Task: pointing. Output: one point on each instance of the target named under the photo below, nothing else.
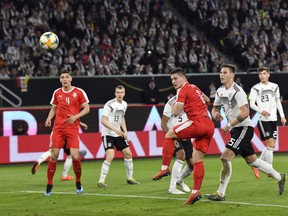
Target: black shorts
(119, 142)
(240, 141)
(267, 129)
(66, 150)
(186, 145)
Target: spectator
(151, 93)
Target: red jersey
(68, 103)
(193, 99)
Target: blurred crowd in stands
(118, 37)
(253, 33)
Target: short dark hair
(119, 87)
(178, 70)
(260, 69)
(65, 71)
(230, 66)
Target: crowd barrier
(145, 134)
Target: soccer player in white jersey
(114, 134)
(233, 99)
(183, 151)
(265, 99)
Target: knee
(180, 155)
(128, 155)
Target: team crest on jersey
(74, 94)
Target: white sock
(263, 154)
(266, 168)
(164, 167)
(225, 176)
(67, 166)
(128, 163)
(44, 157)
(269, 155)
(104, 171)
(176, 171)
(186, 171)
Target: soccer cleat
(79, 188)
(66, 178)
(184, 187)
(48, 190)
(215, 197)
(193, 198)
(256, 172)
(282, 183)
(161, 173)
(175, 191)
(132, 181)
(34, 168)
(102, 184)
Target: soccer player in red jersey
(69, 104)
(198, 126)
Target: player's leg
(72, 143)
(167, 154)
(42, 158)
(67, 165)
(77, 167)
(123, 146)
(176, 169)
(188, 168)
(109, 151)
(51, 169)
(265, 167)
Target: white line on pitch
(164, 198)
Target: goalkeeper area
(23, 193)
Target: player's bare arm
(206, 98)
(51, 115)
(124, 128)
(177, 108)
(164, 121)
(243, 114)
(85, 126)
(106, 123)
(216, 113)
(85, 110)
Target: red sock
(167, 151)
(77, 169)
(198, 175)
(51, 171)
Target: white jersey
(115, 112)
(266, 97)
(231, 99)
(173, 121)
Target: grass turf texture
(23, 194)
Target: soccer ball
(49, 40)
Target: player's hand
(71, 119)
(283, 121)
(265, 113)
(225, 129)
(48, 123)
(217, 116)
(85, 126)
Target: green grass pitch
(23, 194)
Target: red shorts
(60, 136)
(201, 128)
